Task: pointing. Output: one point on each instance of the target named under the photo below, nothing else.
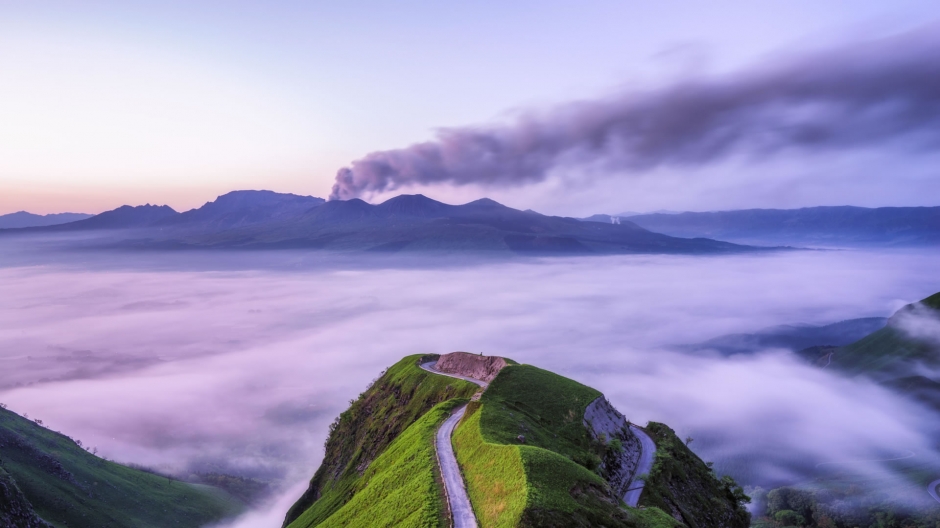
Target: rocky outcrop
(15, 509)
(476, 366)
(607, 425)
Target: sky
(107, 103)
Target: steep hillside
(402, 395)
(570, 475)
(895, 354)
(900, 356)
(529, 453)
(15, 509)
(683, 485)
(67, 486)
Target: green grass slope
(400, 486)
(402, 395)
(67, 486)
(559, 457)
(682, 484)
(493, 473)
(536, 416)
(15, 509)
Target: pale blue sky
(106, 103)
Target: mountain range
(842, 226)
(268, 220)
(24, 219)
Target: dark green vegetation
(681, 484)
(839, 497)
(400, 486)
(842, 507)
(68, 486)
(835, 226)
(395, 401)
(556, 454)
(15, 509)
(565, 479)
(266, 220)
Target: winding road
(461, 510)
(457, 498)
(429, 366)
(932, 489)
(643, 467)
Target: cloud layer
(241, 366)
(859, 96)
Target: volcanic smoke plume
(885, 91)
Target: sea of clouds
(237, 362)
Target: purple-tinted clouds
(872, 95)
(243, 370)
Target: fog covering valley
(237, 362)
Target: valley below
(238, 365)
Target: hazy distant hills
(24, 219)
(812, 226)
(793, 337)
(242, 208)
(268, 220)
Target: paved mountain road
(643, 467)
(429, 366)
(460, 508)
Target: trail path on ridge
(460, 508)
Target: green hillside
(565, 480)
(402, 395)
(889, 352)
(526, 457)
(893, 358)
(68, 486)
(838, 496)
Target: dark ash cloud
(853, 97)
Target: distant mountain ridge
(268, 220)
(793, 337)
(23, 219)
(823, 226)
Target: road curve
(430, 367)
(643, 467)
(932, 489)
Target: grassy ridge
(494, 474)
(546, 408)
(558, 456)
(889, 351)
(67, 486)
(399, 488)
(397, 399)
